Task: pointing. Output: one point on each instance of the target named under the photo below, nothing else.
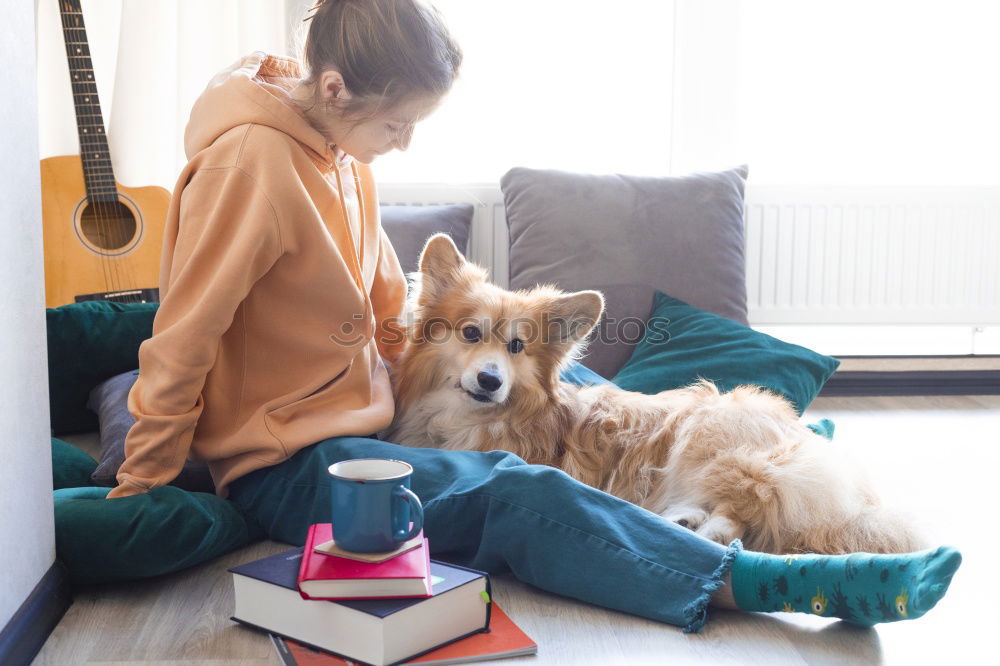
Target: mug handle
(418, 514)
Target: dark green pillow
(89, 342)
(167, 529)
(682, 343)
(71, 466)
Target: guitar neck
(98, 173)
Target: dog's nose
(489, 377)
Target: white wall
(27, 543)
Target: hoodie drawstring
(356, 254)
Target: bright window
(887, 92)
(566, 84)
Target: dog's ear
(573, 316)
(440, 257)
(440, 264)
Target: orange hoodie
(267, 337)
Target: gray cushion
(109, 400)
(409, 227)
(629, 236)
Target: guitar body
(100, 250)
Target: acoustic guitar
(102, 241)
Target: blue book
(375, 631)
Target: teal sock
(825, 427)
(861, 588)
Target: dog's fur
(728, 465)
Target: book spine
(304, 564)
(428, 579)
(489, 588)
(489, 601)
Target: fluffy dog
(481, 371)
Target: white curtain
(151, 61)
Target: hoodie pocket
(322, 389)
(301, 419)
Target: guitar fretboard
(98, 173)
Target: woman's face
(371, 137)
(368, 138)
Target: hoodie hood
(255, 89)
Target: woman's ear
(332, 86)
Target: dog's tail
(876, 529)
(787, 489)
(818, 500)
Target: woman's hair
(388, 51)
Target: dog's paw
(721, 530)
(686, 516)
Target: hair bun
(311, 12)
(387, 51)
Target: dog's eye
(472, 333)
(515, 346)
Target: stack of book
(376, 609)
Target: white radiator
(842, 270)
(488, 235)
(873, 256)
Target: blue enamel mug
(373, 505)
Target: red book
(331, 577)
(503, 641)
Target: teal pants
(491, 511)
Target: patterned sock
(861, 588)
(824, 427)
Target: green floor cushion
(71, 466)
(167, 529)
(682, 343)
(87, 343)
(109, 400)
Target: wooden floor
(939, 456)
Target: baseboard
(920, 382)
(31, 625)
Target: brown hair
(388, 51)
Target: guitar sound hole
(109, 225)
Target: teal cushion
(71, 467)
(89, 342)
(682, 343)
(167, 529)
